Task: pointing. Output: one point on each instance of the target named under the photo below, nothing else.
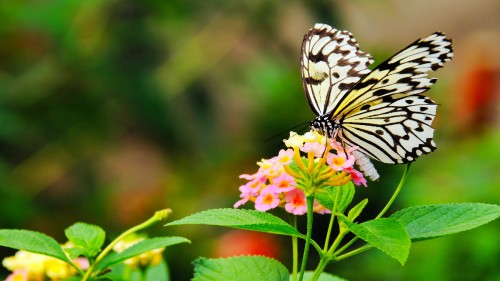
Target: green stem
(332, 219)
(158, 216)
(396, 192)
(321, 267)
(328, 233)
(346, 246)
(310, 203)
(337, 241)
(354, 252)
(295, 251)
(384, 210)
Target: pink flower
(248, 177)
(356, 176)
(320, 209)
(296, 202)
(284, 157)
(315, 147)
(18, 275)
(253, 187)
(339, 162)
(243, 200)
(271, 171)
(267, 199)
(284, 183)
(336, 145)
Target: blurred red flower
(240, 242)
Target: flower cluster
(288, 178)
(150, 258)
(27, 266)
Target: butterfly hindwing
(331, 65)
(396, 132)
(385, 113)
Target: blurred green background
(110, 110)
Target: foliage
(86, 241)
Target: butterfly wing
(331, 64)
(385, 114)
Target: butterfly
(381, 111)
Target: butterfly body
(383, 111)
(325, 125)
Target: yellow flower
(38, 266)
(27, 266)
(150, 258)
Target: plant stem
(384, 210)
(295, 251)
(337, 241)
(332, 218)
(321, 267)
(396, 192)
(158, 216)
(330, 226)
(354, 252)
(310, 203)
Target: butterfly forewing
(405, 72)
(331, 65)
(384, 112)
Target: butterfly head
(325, 125)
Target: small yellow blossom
(150, 258)
(29, 266)
(295, 140)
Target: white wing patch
(331, 65)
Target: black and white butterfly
(383, 111)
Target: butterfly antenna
(284, 132)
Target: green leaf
(241, 219)
(75, 252)
(387, 235)
(431, 221)
(327, 196)
(141, 247)
(323, 277)
(356, 210)
(87, 239)
(32, 241)
(244, 268)
(159, 272)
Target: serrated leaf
(75, 252)
(87, 237)
(356, 210)
(432, 221)
(244, 268)
(327, 196)
(143, 246)
(241, 219)
(32, 241)
(387, 235)
(323, 277)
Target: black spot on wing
(317, 57)
(312, 81)
(381, 92)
